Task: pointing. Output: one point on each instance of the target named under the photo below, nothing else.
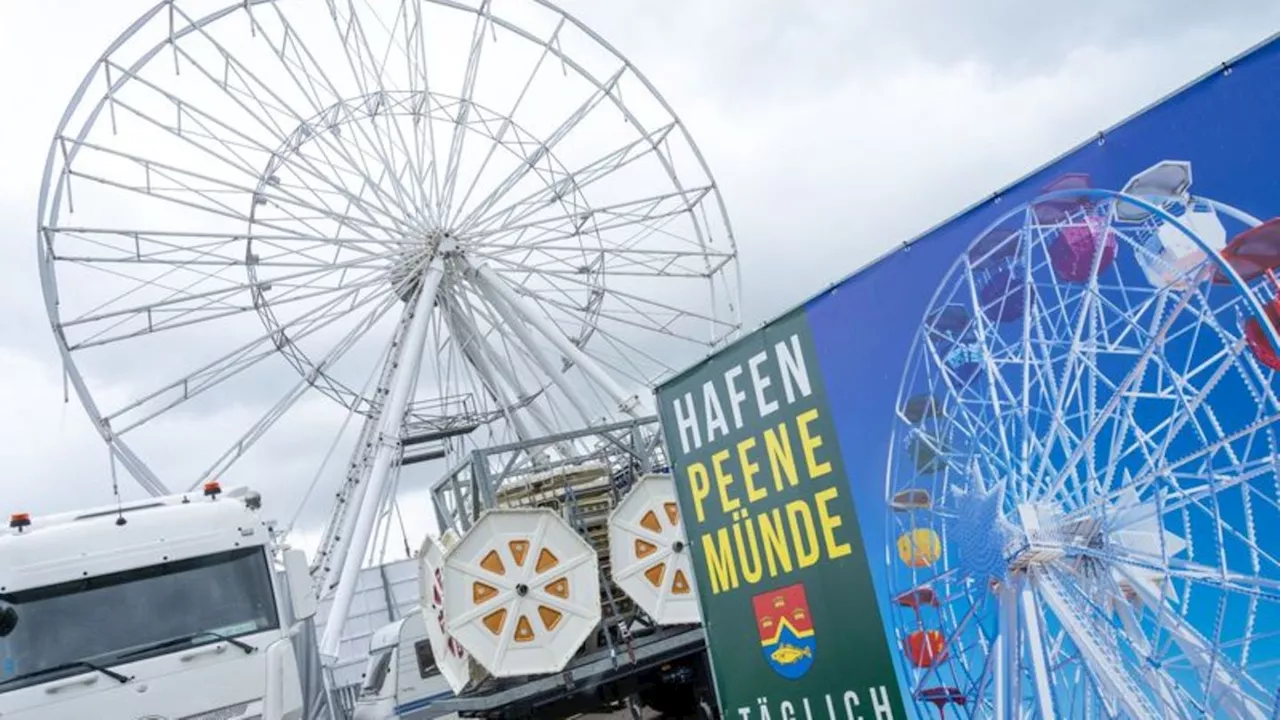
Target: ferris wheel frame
(55, 185)
(1001, 694)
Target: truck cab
(171, 607)
(400, 677)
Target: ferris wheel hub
(411, 263)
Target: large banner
(1025, 466)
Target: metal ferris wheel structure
(448, 217)
(1082, 488)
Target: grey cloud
(836, 130)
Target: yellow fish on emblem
(787, 654)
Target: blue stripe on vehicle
(422, 702)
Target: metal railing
(628, 449)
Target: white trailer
(171, 607)
(401, 677)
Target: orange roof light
(19, 520)
(212, 488)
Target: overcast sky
(835, 130)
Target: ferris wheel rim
(903, 584)
(54, 185)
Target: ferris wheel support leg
(389, 430)
(1034, 632)
(488, 362)
(1224, 685)
(468, 340)
(354, 501)
(629, 403)
(1158, 680)
(1007, 671)
(510, 317)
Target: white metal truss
(460, 222)
(1090, 352)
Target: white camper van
(400, 678)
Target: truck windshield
(107, 619)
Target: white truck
(174, 608)
(401, 679)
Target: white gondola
(650, 553)
(452, 659)
(521, 592)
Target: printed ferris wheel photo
(1082, 483)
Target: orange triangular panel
(546, 561)
(650, 522)
(493, 563)
(495, 620)
(519, 550)
(481, 592)
(680, 584)
(644, 549)
(550, 618)
(655, 573)
(524, 629)
(673, 513)
(559, 588)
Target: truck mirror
(301, 592)
(8, 620)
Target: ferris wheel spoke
(506, 364)
(1099, 648)
(1127, 422)
(515, 108)
(1217, 577)
(469, 343)
(1070, 375)
(564, 184)
(1188, 409)
(246, 441)
(1207, 451)
(281, 107)
(240, 164)
(387, 173)
(643, 304)
(1228, 687)
(543, 359)
(214, 186)
(1181, 495)
(1134, 376)
(629, 319)
(228, 155)
(424, 142)
(598, 220)
(1033, 630)
(227, 366)
(150, 247)
(464, 109)
(355, 34)
(627, 350)
(620, 258)
(193, 112)
(995, 382)
(628, 263)
(183, 308)
(542, 154)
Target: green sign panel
(787, 599)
